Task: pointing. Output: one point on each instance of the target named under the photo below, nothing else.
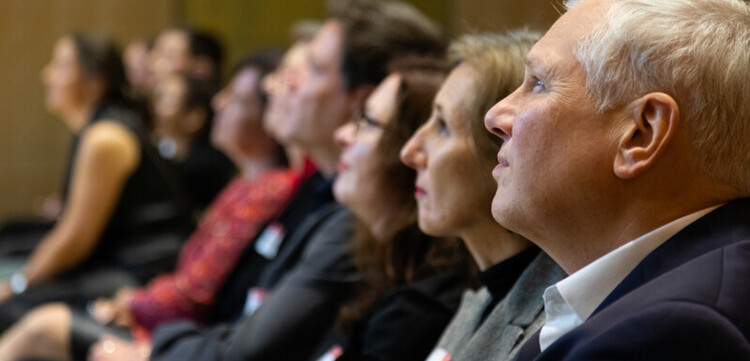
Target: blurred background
(34, 144)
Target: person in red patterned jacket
(252, 200)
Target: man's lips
(501, 161)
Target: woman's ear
(194, 120)
(651, 124)
(97, 87)
(202, 67)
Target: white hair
(697, 51)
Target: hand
(115, 310)
(5, 291)
(110, 348)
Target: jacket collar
(725, 225)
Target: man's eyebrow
(531, 62)
(438, 109)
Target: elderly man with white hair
(626, 158)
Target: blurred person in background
(182, 119)
(137, 58)
(310, 273)
(261, 191)
(281, 104)
(411, 283)
(453, 155)
(189, 50)
(125, 213)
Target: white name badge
(268, 243)
(332, 354)
(439, 354)
(255, 298)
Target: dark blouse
(501, 277)
(405, 323)
(152, 217)
(205, 172)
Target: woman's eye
(442, 126)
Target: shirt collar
(570, 302)
(585, 289)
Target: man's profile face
(318, 90)
(557, 149)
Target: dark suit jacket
(687, 300)
(313, 194)
(310, 277)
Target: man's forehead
(565, 33)
(328, 40)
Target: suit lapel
(508, 324)
(530, 349)
(719, 228)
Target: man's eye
(537, 84)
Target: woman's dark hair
(201, 42)
(98, 57)
(378, 32)
(410, 253)
(198, 95)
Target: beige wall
(33, 144)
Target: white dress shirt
(572, 300)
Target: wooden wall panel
(501, 15)
(246, 26)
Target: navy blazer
(687, 300)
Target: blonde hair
(698, 52)
(498, 61)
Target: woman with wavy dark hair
(123, 217)
(411, 283)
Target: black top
(501, 277)
(406, 322)
(205, 172)
(152, 217)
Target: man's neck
(603, 234)
(326, 158)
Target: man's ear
(651, 123)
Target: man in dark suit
(626, 158)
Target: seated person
(182, 119)
(187, 50)
(303, 287)
(454, 155)
(124, 216)
(412, 283)
(235, 218)
(625, 158)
